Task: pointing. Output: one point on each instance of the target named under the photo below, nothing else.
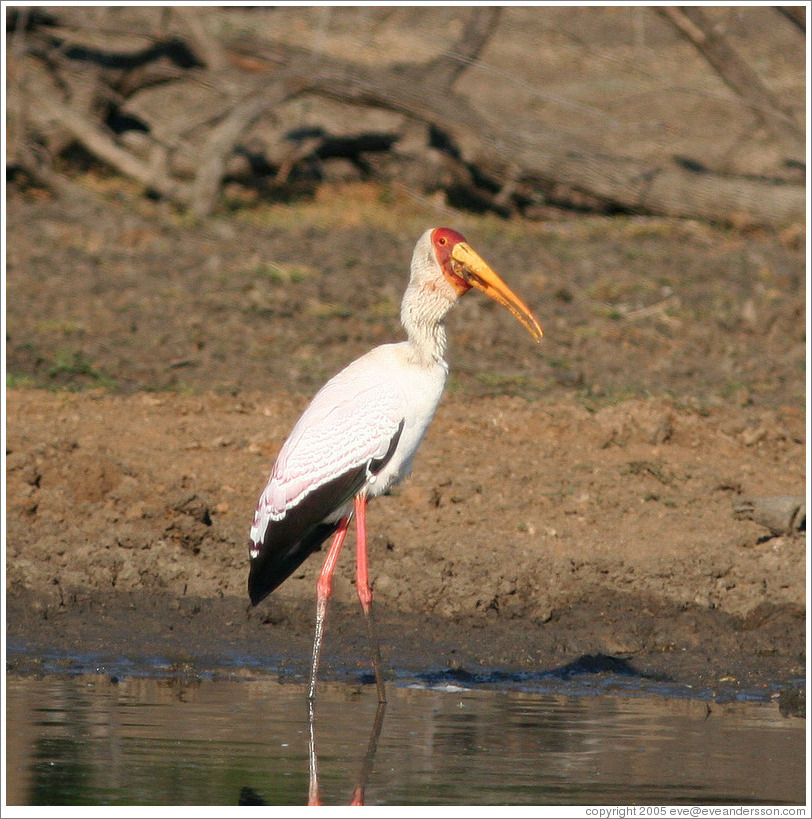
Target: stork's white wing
(350, 422)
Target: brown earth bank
(572, 508)
(531, 538)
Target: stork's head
(446, 266)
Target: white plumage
(349, 423)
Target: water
(97, 740)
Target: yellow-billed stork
(360, 433)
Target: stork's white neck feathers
(428, 298)
(424, 326)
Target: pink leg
(365, 592)
(324, 589)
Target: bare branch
(206, 47)
(101, 144)
(795, 14)
(222, 141)
(738, 75)
(478, 30)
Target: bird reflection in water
(359, 794)
(250, 797)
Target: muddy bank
(530, 538)
(610, 643)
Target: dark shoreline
(158, 636)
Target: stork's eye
(442, 241)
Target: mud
(572, 503)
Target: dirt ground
(572, 508)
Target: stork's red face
(464, 268)
(444, 241)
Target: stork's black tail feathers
(271, 568)
(289, 541)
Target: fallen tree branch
(626, 184)
(781, 514)
(489, 164)
(104, 147)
